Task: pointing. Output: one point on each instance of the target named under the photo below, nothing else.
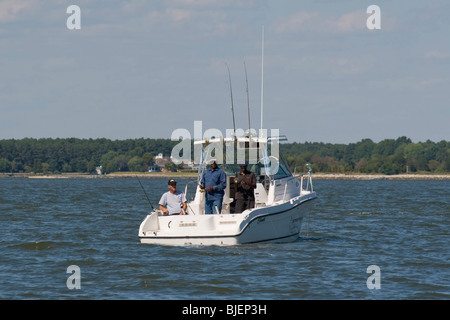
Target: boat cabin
(274, 181)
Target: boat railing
(188, 192)
(306, 176)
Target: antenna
(231, 93)
(248, 99)
(262, 79)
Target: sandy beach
(351, 176)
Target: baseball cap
(172, 182)
(243, 163)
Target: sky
(147, 68)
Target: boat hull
(279, 222)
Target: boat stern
(149, 224)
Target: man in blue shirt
(214, 183)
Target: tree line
(389, 156)
(49, 155)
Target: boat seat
(260, 194)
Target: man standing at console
(214, 183)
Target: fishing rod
(231, 93)
(248, 99)
(262, 77)
(148, 199)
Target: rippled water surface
(47, 225)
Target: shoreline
(315, 176)
(354, 176)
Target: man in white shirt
(173, 202)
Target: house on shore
(160, 163)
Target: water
(47, 225)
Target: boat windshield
(258, 169)
(230, 169)
(282, 172)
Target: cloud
(217, 4)
(350, 22)
(196, 3)
(303, 21)
(179, 14)
(10, 9)
(171, 15)
(436, 54)
(208, 16)
(59, 63)
(203, 21)
(297, 22)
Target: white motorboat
(281, 204)
(281, 198)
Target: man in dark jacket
(245, 189)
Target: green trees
(79, 155)
(389, 156)
(136, 164)
(5, 165)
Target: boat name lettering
(188, 224)
(228, 222)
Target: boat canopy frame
(250, 149)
